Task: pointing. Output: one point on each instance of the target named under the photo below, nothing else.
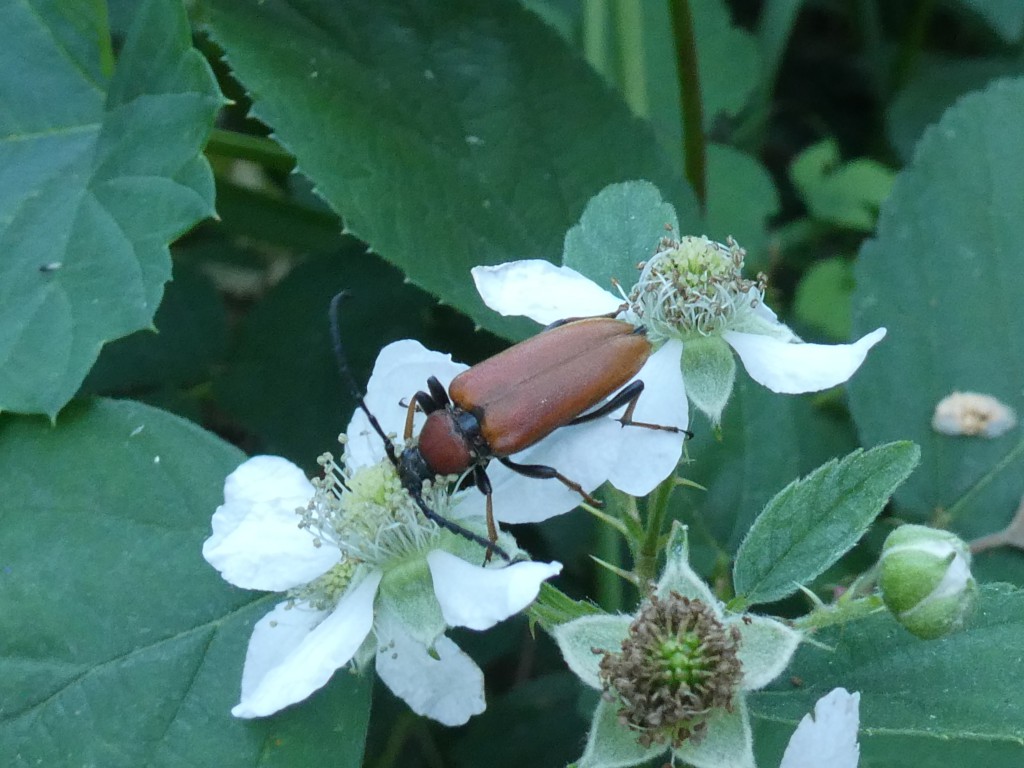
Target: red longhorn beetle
(511, 401)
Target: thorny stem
(694, 149)
(841, 612)
(657, 509)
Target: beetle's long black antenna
(389, 448)
(348, 378)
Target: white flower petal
(401, 370)
(256, 541)
(829, 736)
(584, 453)
(284, 667)
(478, 598)
(446, 686)
(645, 457)
(791, 368)
(541, 291)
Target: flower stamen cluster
(694, 286)
(677, 664)
(369, 517)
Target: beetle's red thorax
(541, 384)
(443, 445)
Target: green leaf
(846, 194)
(824, 297)
(950, 702)
(446, 136)
(1006, 17)
(620, 227)
(741, 199)
(812, 522)
(97, 177)
(119, 646)
(765, 440)
(944, 276)
(936, 85)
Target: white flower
(828, 737)
(697, 310)
(364, 573)
(587, 453)
(719, 738)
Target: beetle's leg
(438, 393)
(627, 396)
(425, 403)
(544, 472)
(483, 482)
(567, 320)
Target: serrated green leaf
(764, 442)
(812, 522)
(119, 646)
(446, 136)
(620, 227)
(96, 177)
(949, 702)
(944, 276)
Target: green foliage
(944, 271)
(101, 171)
(109, 614)
(385, 147)
(813, 522)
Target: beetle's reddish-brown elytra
(512, 401)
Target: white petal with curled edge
(541, 291)
(584, 453)
(401, 370)
(478, 598)
(446, 686)
(790, 368)
(289, 665)
(828, 736)
(256, 541)
(647, 456)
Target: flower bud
(926, 580)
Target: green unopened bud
(926, 580)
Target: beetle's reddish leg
(483, 482)
(628, 396)
(426, 403)
(544, 472)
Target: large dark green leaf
(97, 175)
(950, 702)
(944, 275)
(446, 135)
(119, 645)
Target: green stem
(610, 592)
(913, 42)
(657, 509)
(694, 149)
(629, 15)
(842, 612)
(104, 45)
(265, 152)
(1015, 453)
(595, 35)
